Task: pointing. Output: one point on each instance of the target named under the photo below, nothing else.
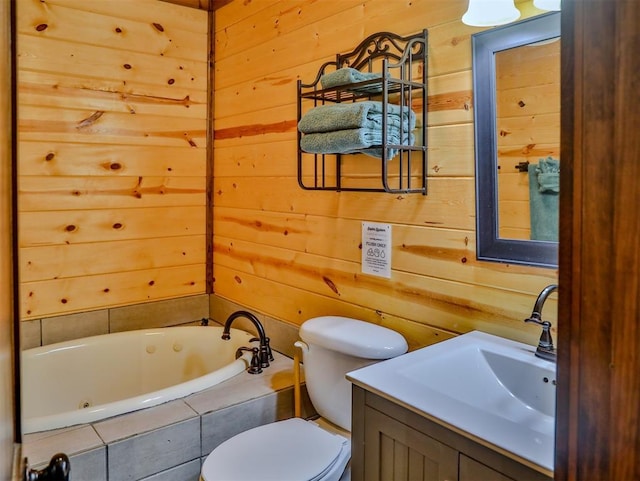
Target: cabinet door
(471, 470)
(394, 451)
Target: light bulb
(487, 13)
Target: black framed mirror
(496, 242)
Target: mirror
(516, 85)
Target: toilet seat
(291, 450)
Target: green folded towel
(348, 75)
(351, 141)
(544, 186)
(366, 114)
(548, 173)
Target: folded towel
(367, 114)
(543, 204)
(548, 173)
(348, 75)
(353, 141)
(377, 151)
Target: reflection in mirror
(516, 71)
(528, 125)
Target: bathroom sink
(491, 388)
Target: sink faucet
(545, 349)
(264, 355)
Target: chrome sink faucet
(264, 354)
(545, 349)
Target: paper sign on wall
(376, 249)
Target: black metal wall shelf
(401, 63)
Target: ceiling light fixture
(547, 4)
(488, 13)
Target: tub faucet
(545, 349)
(265, 355)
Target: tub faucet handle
(266, 354)
(255, 366)
(267, 342)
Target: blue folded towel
(544, 186)
(367, 114)
(353, 141)
(348, 75)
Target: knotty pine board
(165, 13)
(160, 35)
(104, 160)
(112, 100)
(59, 90)
(87, 259)
(44, 193)
(449, 204)
(344, 280)
(275, 243)
(101, 225)
(436, 252)
(76, 294)
(289, 302)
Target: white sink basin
(491, 388)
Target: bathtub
(89, 379)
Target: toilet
(317, 450)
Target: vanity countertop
(485, 387)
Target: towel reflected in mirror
(544, 199)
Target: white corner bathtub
(88, 379)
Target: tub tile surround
(30, 334)
(86, 451)
(147, 420)
(170, 312)
(186, 472)
(270, 398)
(74, 326)
(221, 425)
(149, 453)
(169, 441)
(165, 313)
(39, 447)
(90, 465)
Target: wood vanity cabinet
(392, 443)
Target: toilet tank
(335, 346)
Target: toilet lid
(294, 450)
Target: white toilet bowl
(298, 450)
(291, 450)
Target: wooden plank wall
(201, 4)
(7, 285)
(528, 106)
(112, 153)
(295, 254)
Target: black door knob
(59, 469)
